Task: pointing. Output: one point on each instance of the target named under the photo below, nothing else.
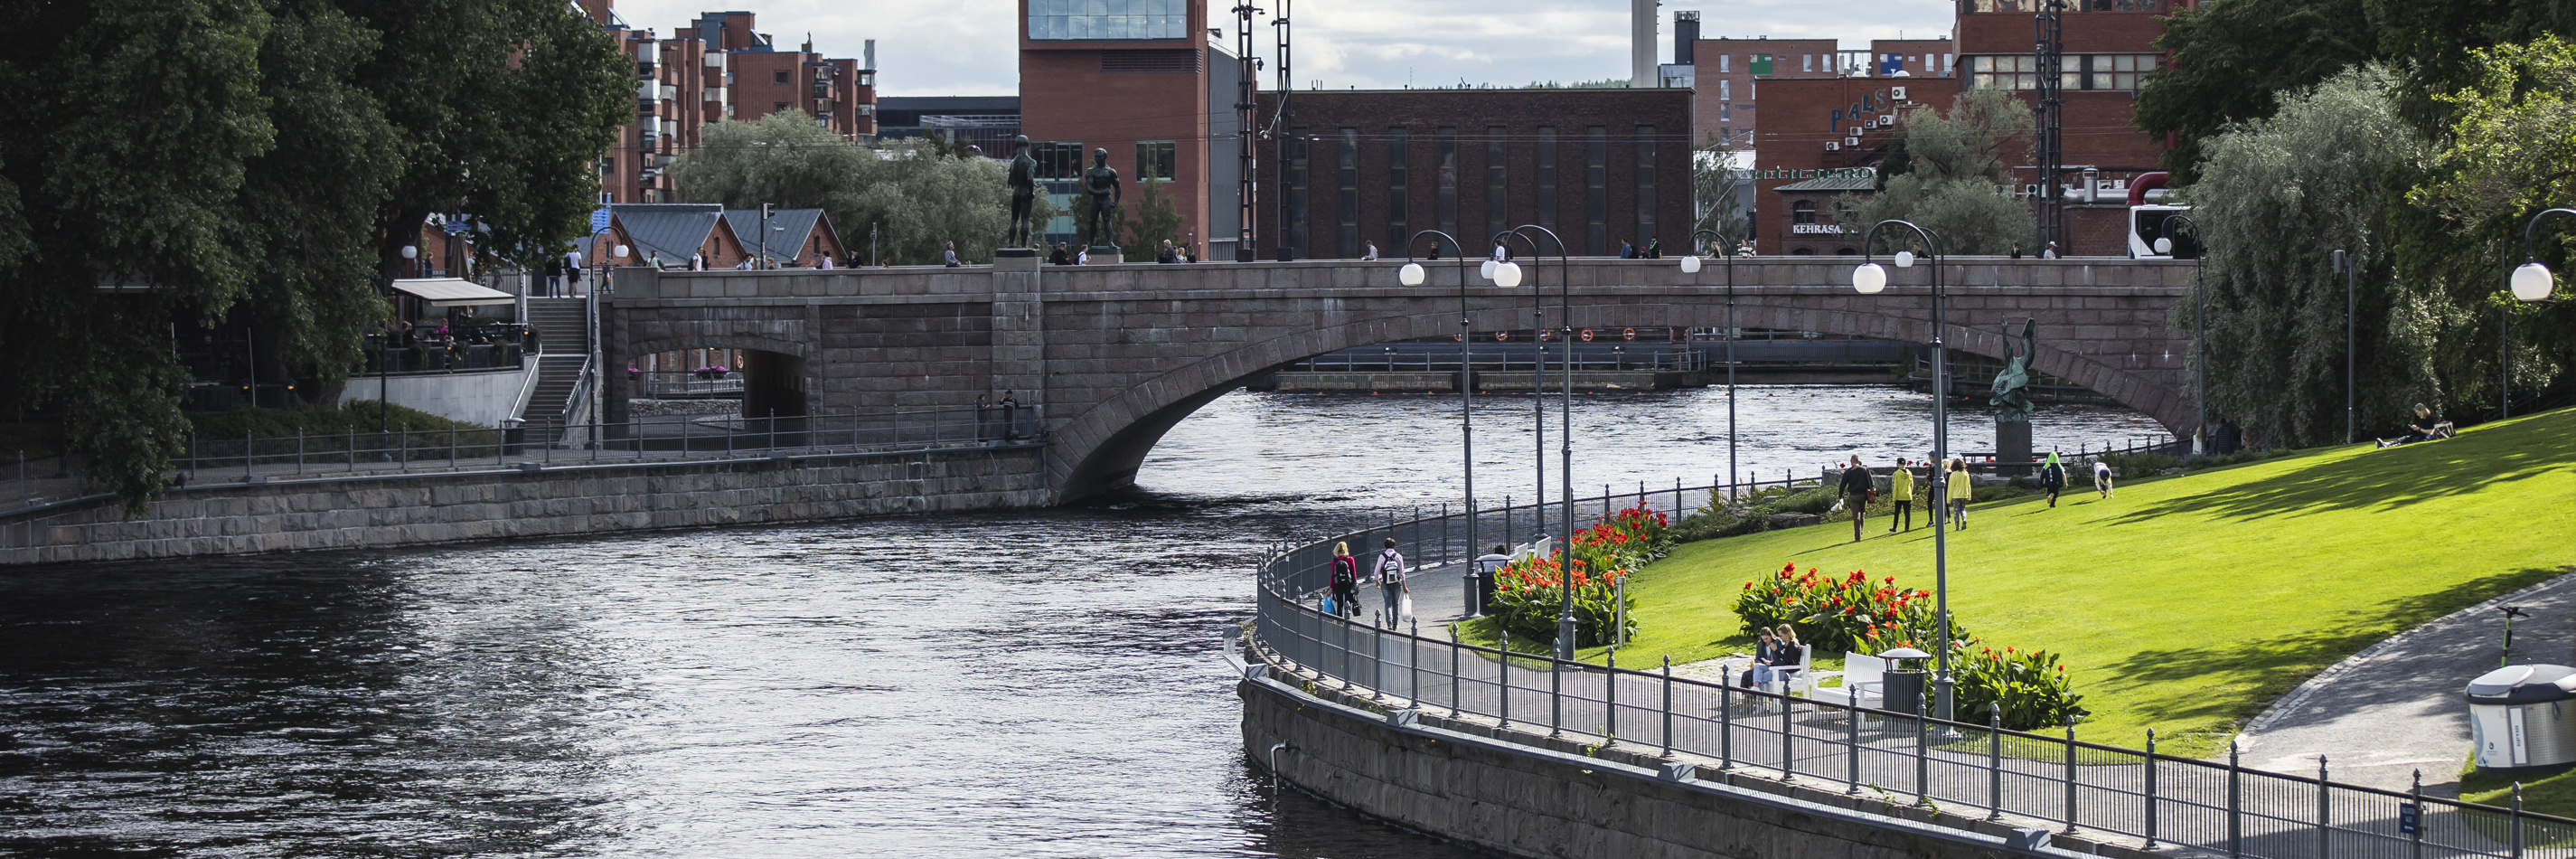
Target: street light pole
(1565, 624)
(2346, 264)
(1690, 265)
(2199, 320)
(1413, 275)
(1538, 369)
(1870, 279)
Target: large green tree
(915, 197)
(1955, 183)
(2231, 59)
(1717, 194)
(2277, 197)
(246, 163)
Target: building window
(1297, 211)
(1806, 62)
(775, 107)
(1498, 200)
(1108, 21)
(1547, 177)
(1596, 190)
(1350, 199)
(1645, 183)
(1725, 111)
(1721, 63)
(778, 77)
(1448, 163)
(1058, 160)
(1156, 160)
(1802, 211)
(2116, 71)
(1397, 232)
(608, 166)
(1150, 61)
(2004, 5)
(1725, 90)
(2006, 72)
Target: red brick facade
(715, 68)
(1118, 94)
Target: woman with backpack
(1390, 579)
(1346, 581)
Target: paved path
(2396, 706)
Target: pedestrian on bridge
(1858, 488)
(1345, 581)
(1389, 573)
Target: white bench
(1864, 682)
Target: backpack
(1346, 573)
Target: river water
(1041, 683)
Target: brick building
(1822, 138)
(1372, 167)
(1729, 75)
(1148, 83)
(712, 69)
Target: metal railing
(685, 384)
(1962, 768)
(1501, 360)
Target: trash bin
(2523, 716)
(1903, 691)
(514, 438)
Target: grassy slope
(2188, 603)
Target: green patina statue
(2012, 386)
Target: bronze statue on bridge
(1101, 182)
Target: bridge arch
(777, 379)
(1101, 448)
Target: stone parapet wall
(409, 510)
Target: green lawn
(2188, 603)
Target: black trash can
(1903, 691)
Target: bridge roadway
(1118, 354)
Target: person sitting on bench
(2424, 428)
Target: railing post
(1994, 763)
(1725, 717)
(1788, 737)
(2416, 793)
(1555, 696)
(2235, 825)
(246, 444)
(2070, 775)
(1413, 664)
(1922, 758)
(1668, 705)
(2325, 809)
(1505, 717)
(1851, 745)
(2514, 816)
(1453, 671)
(451, 445)
(1610, 695)
(299, 451)
(2151, 788)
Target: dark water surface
(1014, 684)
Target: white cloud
(969, 47)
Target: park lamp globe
(1486, 271)
(1507, 274)
(1869, 278)
(1904, 259)
(1411, 274)
(2531, 282)
(2164, 246)
(1690, 263)
(411, 252)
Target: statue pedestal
(2012, 448)
(1015, 259)
(1107, 255)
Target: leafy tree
(1154, 220)
(1955, 183)
(2511, 152)
(918, 199)
(2277, 196)
(2435, 45)
(1717, 191)
(2231, 59)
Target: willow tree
(916, 196)
(1955, 183)
(2277, 197)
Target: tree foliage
(1151, 220)
(916, 198)
(1956, 183)
(2277, 197)
(257, 163)
(2231, 59)
(1717, 193)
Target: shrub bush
(1836, 613)
(2029, 686)
(1529, 594)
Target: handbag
(1404, 607)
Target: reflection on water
(1009, 684)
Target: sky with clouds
(968, 47)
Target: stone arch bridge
(1116, 355)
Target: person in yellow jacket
(1901, 490)
(1960, 492)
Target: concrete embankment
(382, 511)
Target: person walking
(1961, 491)
(1858, 487)
(1900, 489)
(1082, 257)
(1061, 256)
(1370, 254)
(2102, 478)
(1389, 574)
(1168, 255)
(1345, 581)
(2052, 477)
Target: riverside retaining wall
(379, 511)
(1523, 794)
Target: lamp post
(384, 384)
(2348, 265)
(1565, 625)
(2199, 322)
(2530, 282)
(1690, 265)
(1508, 274)
(1870, 279)
(1413, 275)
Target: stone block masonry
(385, 511)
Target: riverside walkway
(2046, 780)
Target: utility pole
(2051, 148)
(1247, 114)
(1279, 122)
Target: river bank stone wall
(1523, 794)
(408, 510)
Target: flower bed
(1853, 613)
(1529, 594)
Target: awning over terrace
(452, 292)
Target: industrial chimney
(1641, 44)
(1685, 32)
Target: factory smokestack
(1641, 43)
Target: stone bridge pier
(1115, 355)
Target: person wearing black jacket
(1857, 486)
